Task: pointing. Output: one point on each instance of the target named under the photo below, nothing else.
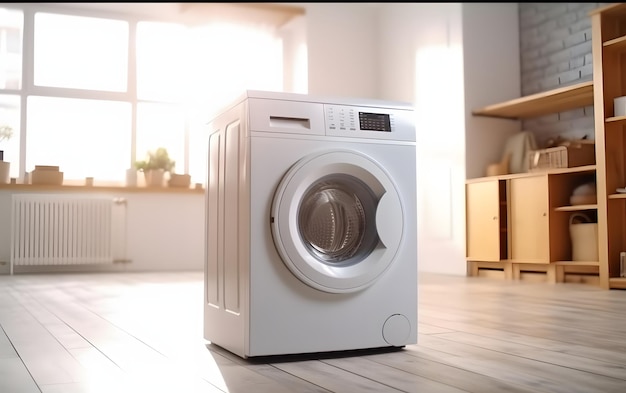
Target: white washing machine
(311, 226)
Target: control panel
(350, 118)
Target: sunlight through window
(93, 115)
(10, 117)
(79, 52)
(11, 27)
(82, 137)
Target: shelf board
(553, 101)
(577, 263)
(574, 169)
(575, 208)
(616, 44)
(617, 196)
(96, 188)
(616, 119)
(552, 171)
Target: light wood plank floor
(142, 332)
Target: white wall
(342, 44)
(446, 59)
(492, 75)
(165, 231)
(428, 71)
(399, 40)
(295, 56)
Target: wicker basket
(572, 154)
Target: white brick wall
(555, 50)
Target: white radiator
(58, 229)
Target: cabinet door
(529, 219)
(483, 221)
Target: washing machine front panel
(337, 220)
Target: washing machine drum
(337, 221)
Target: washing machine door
(337, 221)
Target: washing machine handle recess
(389, 220)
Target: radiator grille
(67, 229)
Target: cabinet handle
(545, 214)
(495, 217)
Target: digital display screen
(374, 121)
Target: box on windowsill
(46, 175)
(179, 180)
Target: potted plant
(154, 167)
(6, 132)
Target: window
(103, 91)
(85, 135)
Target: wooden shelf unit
(609, 67)
(539, 243)
(609, 82)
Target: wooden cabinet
(521, 222)
(609, 74)
(529, 208)
(486, 221)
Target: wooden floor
(142, 332)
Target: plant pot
(131, 177)
(154, 177)
(5, 167)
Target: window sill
(95, 189)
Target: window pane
(83, 137)
(80, 52)
(10, 117)
(161, 125)
(11, 28)
(161, 61)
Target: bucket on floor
(584, 236)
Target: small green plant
(6, 132)
(158, 159)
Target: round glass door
(337, 221)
